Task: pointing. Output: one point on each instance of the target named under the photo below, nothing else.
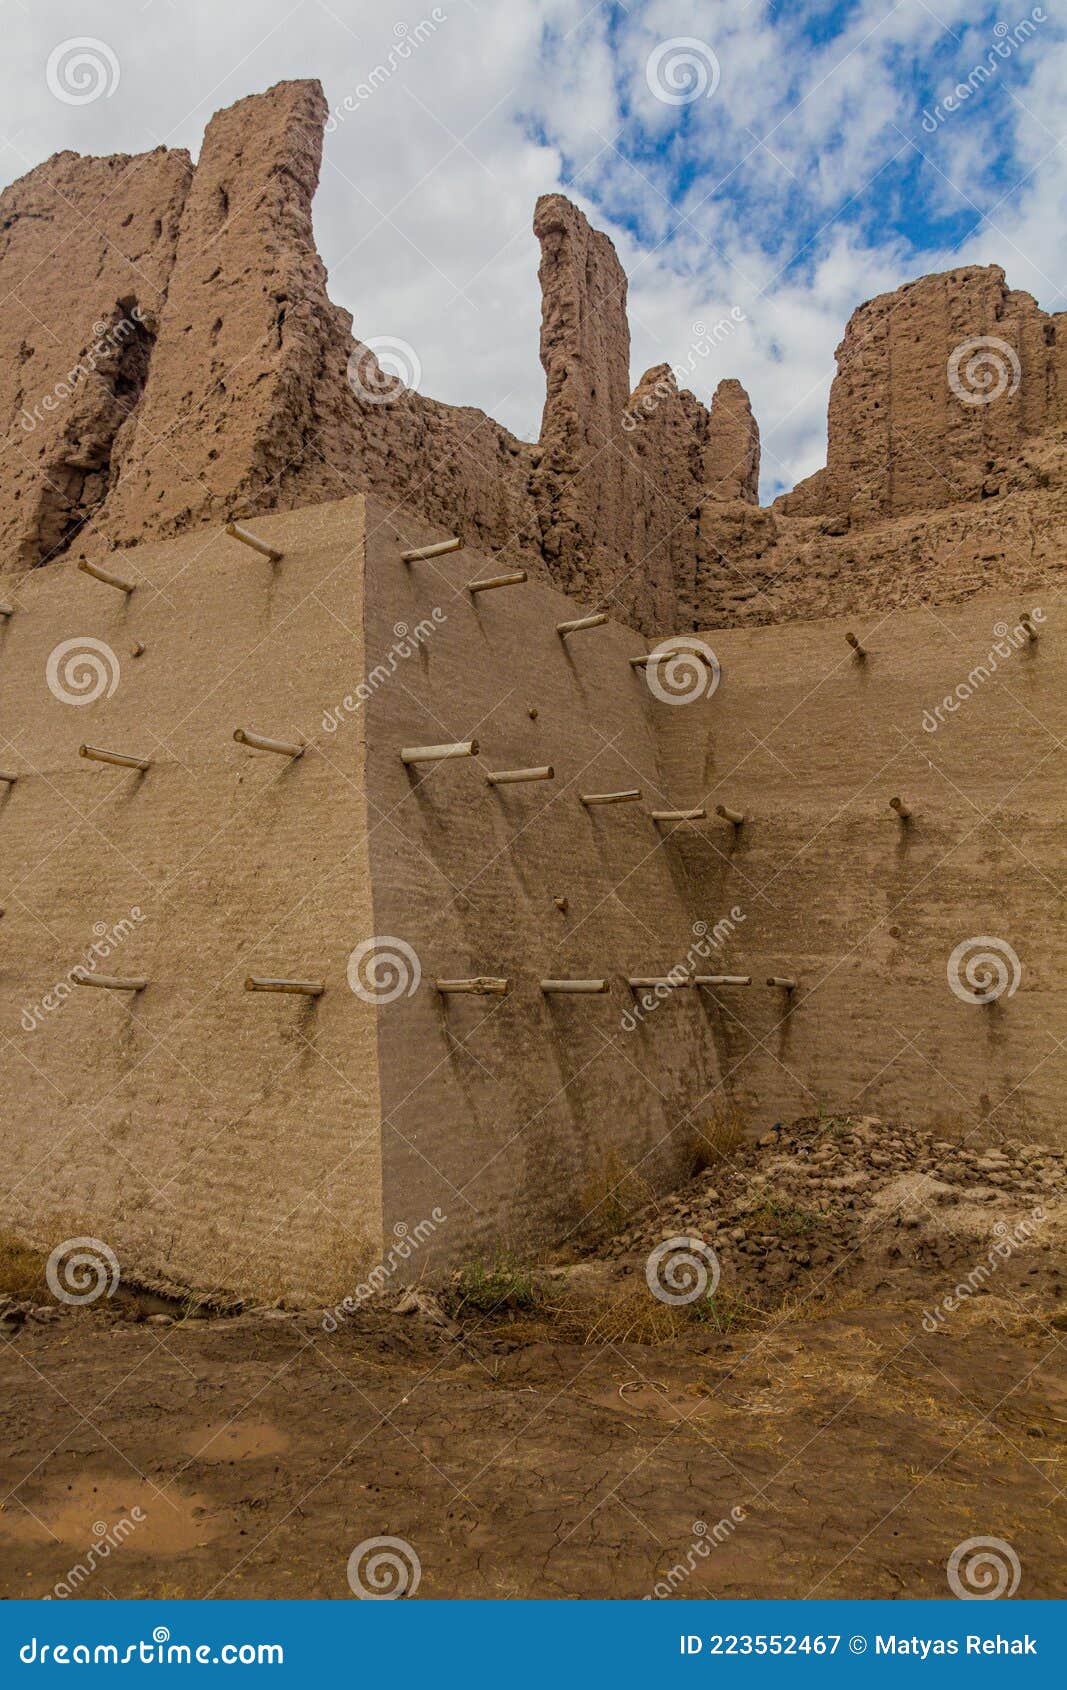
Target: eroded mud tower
(354, 987)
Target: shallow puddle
(110, 1514)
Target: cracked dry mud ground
(261, 1450)
(540, 1450)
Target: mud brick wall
(271, 1144)
(212, 1137)
(279, 1145)
(937, 383)
(204, 370)
(511, 1113)
(811, 744)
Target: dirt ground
(823, 1426)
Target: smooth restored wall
(517, 1115)
(210, 1136)
(277, 1145)
(810, 744)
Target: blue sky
(893, 160)
(787, 173)
(819, 155)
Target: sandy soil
(828, 1443)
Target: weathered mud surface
(834, 1443)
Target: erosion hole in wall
(105, 389)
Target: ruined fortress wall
(263, 1143)
(757, 566)
(935, 382)
(212, 1137)
(224, 420)
(86, 251)
(243, 388)
(811, 745)
(515, 1115)
(246, 389)
(274, 1144)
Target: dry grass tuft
(716, 1138)
(21, 1269)
(638, 1317)
(610, 1197)
(634, 1318)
